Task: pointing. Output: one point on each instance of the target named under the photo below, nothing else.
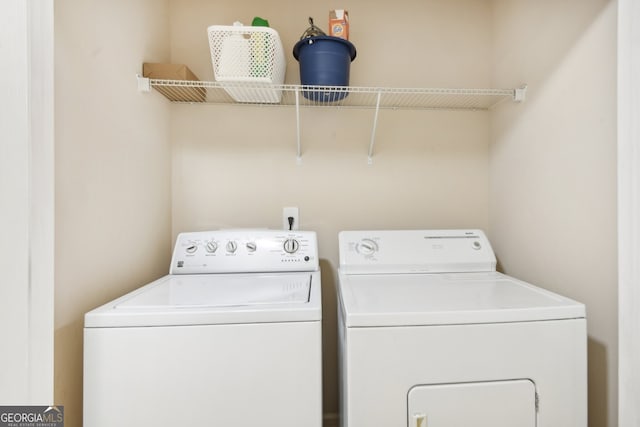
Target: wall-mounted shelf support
(373, 130)
(377, 98)
(144, 83)
(520, 94)
(298, 143)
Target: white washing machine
(231, 337)
(432, 336)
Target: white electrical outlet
(290, 212)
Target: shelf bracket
(373, 130)
(144, 83)
(520, 94)
(299, 145)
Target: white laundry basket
(250, 59)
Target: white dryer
(432, 336)
(231, 337)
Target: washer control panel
(415, 251)
(244, 251)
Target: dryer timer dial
(367, 247)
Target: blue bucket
(324, 61)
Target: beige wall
(236, 167)
(434, 43)
(112, 169)
(553, 166)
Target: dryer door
(479, 404)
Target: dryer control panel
(415, 251)
(244, 251)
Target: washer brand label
(31, 416)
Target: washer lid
(448, 299)
(214, 299)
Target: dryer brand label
(31, 416)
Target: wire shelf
(337, 96)
(298, 96)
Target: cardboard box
(339, 23)
(174, 72)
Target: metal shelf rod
(358, 96)
(299, 144)
(373, 130)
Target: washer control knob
(232, 246)
(367, 247)
(291, 246)
(251, 246)
(211, 247)
(191, 249)
(476, 245)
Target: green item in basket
(260, 53)
(259, 22)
